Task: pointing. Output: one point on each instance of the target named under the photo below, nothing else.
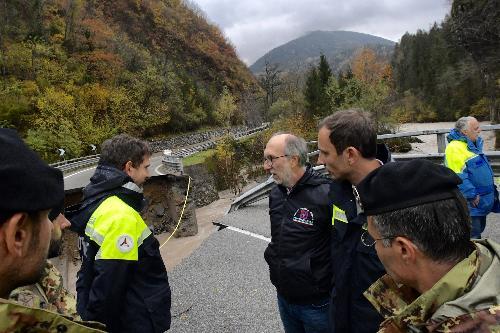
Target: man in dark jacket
(299, 252)
(123, 281)
(348, 148)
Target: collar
(133, 187)
(404, 307)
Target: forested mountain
(74, 72)
(338, 47)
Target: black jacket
(355, 266)
(299, 252)
(126, 295)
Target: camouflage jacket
(465, 300)
(49, 294)
(16, 318)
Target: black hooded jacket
(355, 266)
(299, 252)
(126, 295)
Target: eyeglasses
(368, 241)
(270, 159)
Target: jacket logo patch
(304, 216)
(125, 243)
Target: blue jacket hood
(457, 135)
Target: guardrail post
(441, 142)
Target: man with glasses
(299, 252)
(348, 149)
(438, 280)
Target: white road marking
(81, 171)
(158, 172)
(248, 233)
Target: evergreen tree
(312, 93)
(317, 100)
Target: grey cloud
(257, 26)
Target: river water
(429, 144)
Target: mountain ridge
(338, 46)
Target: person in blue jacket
(464, 155)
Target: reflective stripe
(145, 233)
(94, 235)
(338, 214)
(98, 254)
(457, 155)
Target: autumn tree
(368, 69)
(226, 108)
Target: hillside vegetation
(75, 72)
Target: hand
(475, 202)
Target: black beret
(399, 185)
(27, 184)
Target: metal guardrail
(76, 163)
(262, 190)
(173, 164)
(440, 135)
(84, 161)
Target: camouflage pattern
(16, 318)
(466, 299)
(49, 294)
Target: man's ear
(128, 167)
(352, 155)
(17, 233)
(406, 249)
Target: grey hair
(463, 123)
(441, 229)
(295, 146)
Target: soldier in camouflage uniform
(49, 292)
(438, 279)
(29, 188)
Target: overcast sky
(257, 26)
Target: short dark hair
(122, 148)
(440, 229)
(352, 128)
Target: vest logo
(304, 216)
(125, 243)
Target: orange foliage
(368, 69)
(103, 65)
(99, 31)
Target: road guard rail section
(262, 190)
(175, 163)
(77, 163)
